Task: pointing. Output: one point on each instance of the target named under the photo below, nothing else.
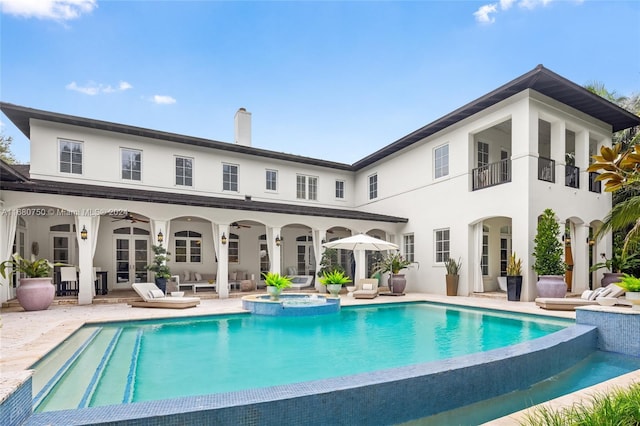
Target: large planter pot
(634, 297)
(397, 283)
(273, 292)
(609, 278)
(35, 294)
(452, 285)
(161, 283)
(514, 287)
(334, 289)
(551, 286)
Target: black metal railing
(594, 185)
(571, 176)
(546, 169)
(492, 174)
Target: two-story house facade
(469, 185)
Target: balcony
(492, 174)
(571, 176)
(594, 185)
(546, 169)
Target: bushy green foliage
(629, 283)
(453, 266)
(620, 407)
(548, 250)
(329, 262)
(334, 277)
(273, 279)
(38, 268)
(391, 263)
(159, 264)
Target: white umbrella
(360, 242)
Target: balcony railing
(546, 169)
(492, 174)
(571, 176)
(594, 185)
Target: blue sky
(330, 79)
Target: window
(188, 247)
(234, 248)
(483, 154)
(131, 164)
(441, 161)
(409, 252)
(373, 187)
(340, 189)
(230, 177)
(184, 171)
(271, 180)
(70, 157)
(306, 187)
(442, 245)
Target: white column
(558, 148)
(222, 250)
(86, 286)
(8, 223)
(580, 251)
(318, 236)
(274, 250)
(582, 158)
(361, 271)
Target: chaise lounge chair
(588, 298)
(366, 288)
(153, 297)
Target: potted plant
(334, 281)
(618, 264)
(548, 253)
(514, 278)
(36, 291)
(276, 283)
(393, 264)
(453, 275)
(631, 285)
(159, 266)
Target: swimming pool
(125, 362)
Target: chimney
(243, 127)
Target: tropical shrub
(335, 277)
(453, 266)
(274, 279)
(548, 249)
(37, 268)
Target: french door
(306, 260)
(131, 254)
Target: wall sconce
(590, 241)
(223, 240)
(160, 237)
(83, 233)
(278, 241)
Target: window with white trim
(409, 244)
(306, 187)
(340, 189)
(234, 248)
(70, 156)
(131, 164)
(229, 177)
(442, 245)
(184, 171)
(271, 179)
(373, 186)
(483, 154)
(441, 161)
(187, 247)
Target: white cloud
(96, 88)
(58, 10)
(163, 100)
(506, 4)
(483, 15)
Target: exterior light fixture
(84, 233)
(223, 240)
(278, 241)
(590, 241)
(160, 237)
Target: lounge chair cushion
(156, 294)
(587, 298)
(145, 290)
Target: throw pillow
(186, 276)
(156, 294)
(367, 286)
(198, 276)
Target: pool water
(143, 361)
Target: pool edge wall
(381, 397)
(615, 328)
(17, 407)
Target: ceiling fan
(130, 217)
(238, 225)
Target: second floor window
(184, 171)
(188, 247)
(373, 187)
(306, 187)
(70, 157)
(230, 177)
(340, 189)
(271, 180)
(441, 161)
(483, 154)
(409, 252)
(131, 164)
(442, 245)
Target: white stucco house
(469, 185)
